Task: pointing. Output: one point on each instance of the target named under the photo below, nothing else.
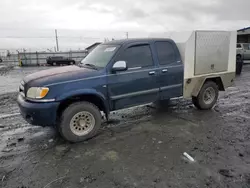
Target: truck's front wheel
(80, 121)
(207, 97)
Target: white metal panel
(189, 58)
(211, 51)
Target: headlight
(37, 92)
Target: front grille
(22, 89)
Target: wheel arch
(91, 96)
(202, 81)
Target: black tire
(54, 63)
(162, 103)
(239, 65)
(238, 57)
(200, 102)
(195, 102)
(70, 112)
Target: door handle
(164, 70)
(151, 73)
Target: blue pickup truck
(115, 75)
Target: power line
(47, 37)
(127, 35)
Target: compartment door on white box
(211, 52)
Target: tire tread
(198, 101)
(68, 110)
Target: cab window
(138, 56)
(165, 52)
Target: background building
(244, 35)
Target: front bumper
(35, 113)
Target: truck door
(137, 85)
(246, 51)
(170, 70)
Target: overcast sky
(30, 24)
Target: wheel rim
(82, 123)
(209, 95)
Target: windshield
(100, 56)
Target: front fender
(73, 93)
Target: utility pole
(57, 46)
(127, 35)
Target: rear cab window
(137, 56)
(165, 52)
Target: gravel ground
(139, 147)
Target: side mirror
(119, 66)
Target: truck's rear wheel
(207, 97)
(80, 121)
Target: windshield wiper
(91, 66)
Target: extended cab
(122, 74)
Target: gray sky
(82, 22)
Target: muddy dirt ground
(139, 147)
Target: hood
(51, 72)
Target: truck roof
(127, 41)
